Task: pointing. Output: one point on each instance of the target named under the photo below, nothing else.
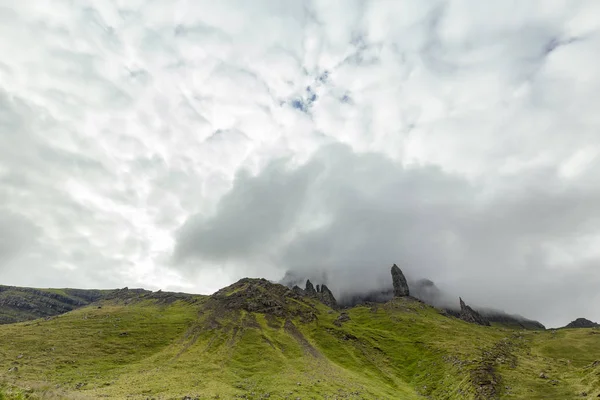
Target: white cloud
(119, 120)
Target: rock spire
(400, 284)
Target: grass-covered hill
(258, 340)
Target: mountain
(582, 323)
(257, 340)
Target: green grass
(399, 350)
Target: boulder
(399, 281)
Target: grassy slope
(400, 350)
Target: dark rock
(543, 376)
(298, 290)
(310, 289)
(399, 281)
(326, 297)
(467, 314)
(582, 323)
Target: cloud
(121, 122)
(521, 243)
(16, 235)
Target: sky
(183, 145)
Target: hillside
(257, 340)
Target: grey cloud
(17, 235)
(347, 217)
(252, 216)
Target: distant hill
(19, 304)
(260, 340)
(582, 323)
(22, 304)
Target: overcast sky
(183, 145)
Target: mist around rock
(342, 218)
(423, 289)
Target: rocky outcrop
(399, 281)
(326, 297)
(310, 289)
(298, 290)
(343, 317)
(582, 323)
(467, 314)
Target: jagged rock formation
(399, 281)
(582, 323)
(322, 293)
(326, 297)
(467, 314)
